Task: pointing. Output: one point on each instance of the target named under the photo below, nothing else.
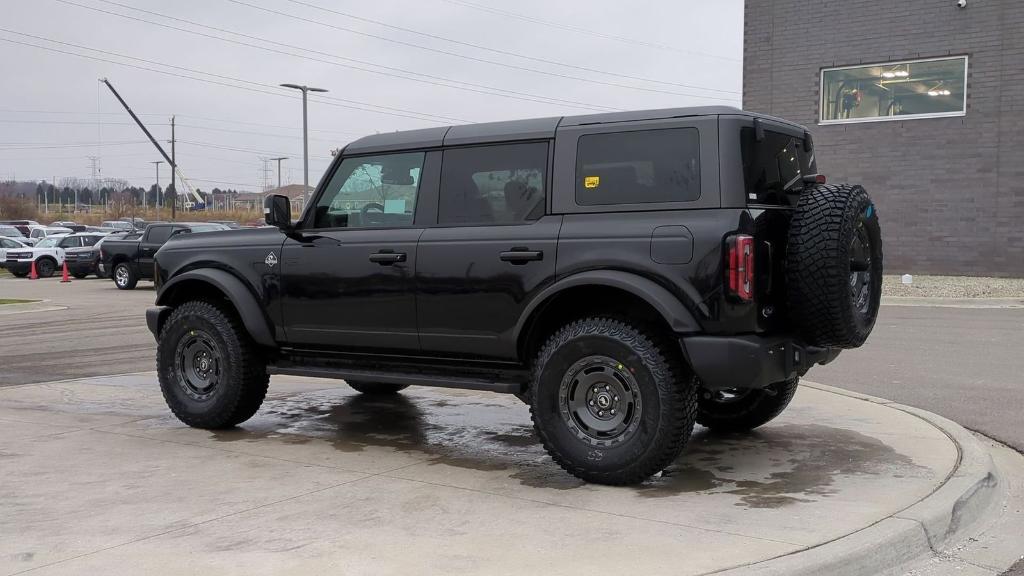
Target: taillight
(740, 271)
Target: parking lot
(431, 481)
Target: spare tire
(834, 266)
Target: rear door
(152, 240)
(493, 248)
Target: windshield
(49, 242)
(10, 231)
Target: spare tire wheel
(834, 265)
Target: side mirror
(277, 211)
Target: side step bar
(413, 379)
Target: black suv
(627, 275)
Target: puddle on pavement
(780, 465)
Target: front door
(492, 250)
(348, 272)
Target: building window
(905, 90)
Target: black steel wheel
(376, 388)
(611, 401)
(738, 410)
(211, 373)
(45, 267)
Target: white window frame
(821, 89)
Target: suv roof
(527, 129)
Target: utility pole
(174, 166)
(157, 163)
(279, 170)
(305, 133)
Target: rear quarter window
(638, 167)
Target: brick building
(922, 101)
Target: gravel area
(954, 287)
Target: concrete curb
(1001, 302)
(970, 492)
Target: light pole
(278, 160)
(305, 135)
(157, 163)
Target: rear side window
(638, 167)
(493, 184)
(158, 234)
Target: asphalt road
(101, 331)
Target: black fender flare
(671, 308)
(249, 310)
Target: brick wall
(950, 191)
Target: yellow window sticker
(591, 181)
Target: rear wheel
(45, 267)
(211, 373)
(611, 403)
(124, 278)
(376, 388)
(736, 410)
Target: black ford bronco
(627, 275)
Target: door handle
(521, 256)
(387, 258)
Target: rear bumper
(155, 316)
(751, 361)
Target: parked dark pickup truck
(130, 259)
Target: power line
(264, 88)
(476, 59)
(505, 52)
(588, 31)
(430, 79)
(75, 145)
(249, 150)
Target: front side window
(501, 184)
(894, 91)
(90, 240)
(371, 192)
(638, 167)
(38, 233)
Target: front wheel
(124, 278)
(736, 410)
(611, 402)
(211, 373)
(45, 267)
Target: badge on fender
(271, 260)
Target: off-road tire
(666, 389)
(376, 388)
(45, 267)
(243, 383)
(830, 226)
(747, 410)
(128, 280)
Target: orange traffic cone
(32, 274)
(64, 276)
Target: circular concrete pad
(98, 476)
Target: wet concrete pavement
(99, 477)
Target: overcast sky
(389, 65)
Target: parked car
(9, 243)
(48, 254)
(10, 231)
(38, 232)
(118, 225)
(21, 225)
(84, 259)
(63, 223)
(129, 258)
(628, 275)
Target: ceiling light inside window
(938, 92)
(895, 74)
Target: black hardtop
(527, 129)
